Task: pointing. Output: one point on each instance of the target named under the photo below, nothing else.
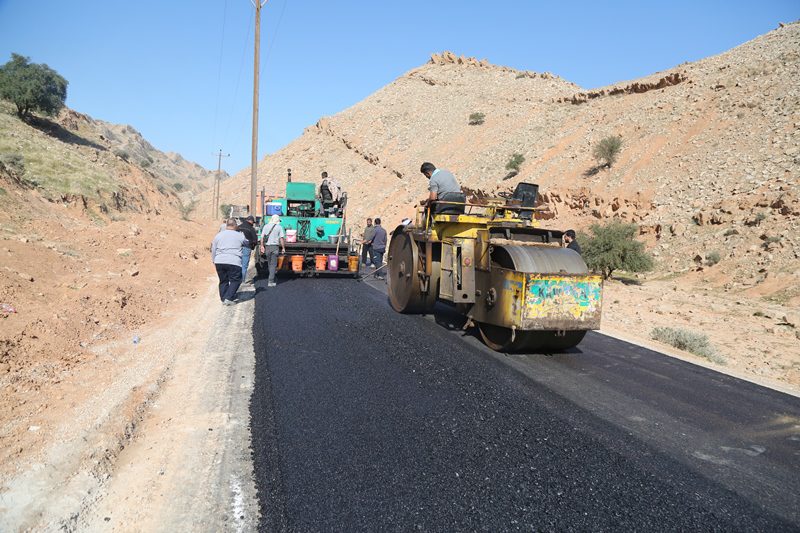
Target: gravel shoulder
(160, 445)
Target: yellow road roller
(491, 259)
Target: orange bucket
(352, 263)
(297, 263)
(280, 261)
(321, 260)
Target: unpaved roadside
(164, 447)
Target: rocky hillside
(709, 165)
(102, 167)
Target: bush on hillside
(712, 258)
(225, 209)
(696, 343)
(476, 119)
(607, 150)
(178, 186)
(32, 87)
(187, 209)
(515, 162)
(614, 247)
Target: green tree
(225, 209)
(614, 247)
(32, 87)
(607, 150)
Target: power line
(219, 73)
(239, 76)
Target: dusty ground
(146, 437)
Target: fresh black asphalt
(366, 420)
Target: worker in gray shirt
(442, 187)
(226, 253)
(378, 247)
(272, 235)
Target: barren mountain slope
(93, 249)
(710, 159)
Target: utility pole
(258, 4)
(215, 194)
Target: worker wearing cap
(249, 231)
(273, 235)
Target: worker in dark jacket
(571, 242)
(250, 232)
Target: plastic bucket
(291, 235)
(280, 261)
(333, 263)
(322, 261)
(297, 263)
(352, 263)
(274, 208)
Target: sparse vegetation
(32, 87)
(731, 231)
(712, 258)
(760, 217)
(696, 343)
(122, 154)
(225, 210)
(759, 313)
(772, 239)
(614, 247)
(178, 186)
(607, 150)
(187, 209)
(14, 163)
(476, 119)
(515, 162)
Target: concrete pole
(256, 59)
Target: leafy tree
(607, 150)
(515, 162)
(32, 87)
(225, 209)
(614, 247)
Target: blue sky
(181, 72)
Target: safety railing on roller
(490, 210)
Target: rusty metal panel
(464, 267)
(502, 297)
(447, 279)
(565, 302)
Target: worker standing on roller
(442, 187)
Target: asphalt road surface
(367, 420)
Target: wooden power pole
(215, 194)
(256, 59)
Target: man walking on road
(271, 236)
(246, 227)
(378, 247)
(226, 253)
(366, 244)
